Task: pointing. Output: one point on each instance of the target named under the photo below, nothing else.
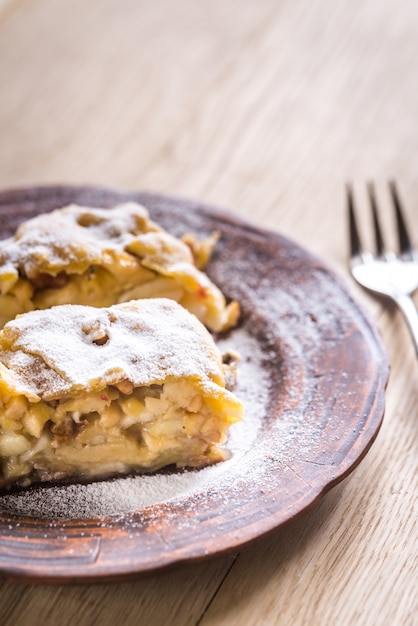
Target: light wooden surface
(265, 108)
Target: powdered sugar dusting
(74, 234)
(125, 495)
(54, 351)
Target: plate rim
(30, 573)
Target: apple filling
(119, 429)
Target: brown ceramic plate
(312, 378)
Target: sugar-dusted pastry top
(98, 257)
(78, 237)
(70, 348)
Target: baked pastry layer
(99, 257)
(91, 392)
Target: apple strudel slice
(99, 257)
(87, 393)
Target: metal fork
(386, 273)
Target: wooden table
(265, 108)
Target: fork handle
(410, 313)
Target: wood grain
(267, 109)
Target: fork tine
(355, 243)
(405, 245)
(380, 245)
